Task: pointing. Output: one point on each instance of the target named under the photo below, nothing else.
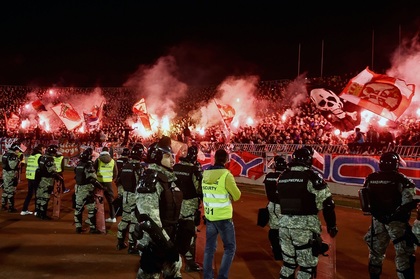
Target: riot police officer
(189, 174)
(302, 193)
(158, 207)
(273, 206)
(86, 181)
(390, 201)
(129, 174)
(48, 172)
(10, 163)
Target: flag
(179, 149)
(38, 106)
(94, 117)
(227, 112)
(68, 115)
(12, 122)
(139, 108)
(386, 96)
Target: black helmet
(192, 154)
(157, 149)
(389, 161)
(16, 147)
(125, 152)
(137, 151)
(279, 163)
(85, 156)
(310, 148)
(302, 156)
(52, 150)
(89, 151)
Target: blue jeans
(226, 229)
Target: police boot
(121, 244)
(190, 264)
(3, 204)
(44, 215)
(132, 249)
(12, 208)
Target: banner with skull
(342, 115)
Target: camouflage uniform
(298, 230)
(387, 191)
(148, 203)
(10, 164)
(128, 217)
(84, 192)
(47, 172)
(191, 202)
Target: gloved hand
(332, 231)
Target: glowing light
(51, 92)
(165, 123)
(283, 117)
(201, 131)
(237, 100)
(235, 123)
(418, 112)
(337, 132)
(25, 124)
(382, 122)
(249, 121)
(27, 106)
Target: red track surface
(31, 248)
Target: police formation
(160, 204)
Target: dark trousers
(32, 187)
(109, 196)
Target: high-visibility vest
(216, 201)
(32, 166)
(105, 171)
(57, 161)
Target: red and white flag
(12, 122)
(386, 96)
(139, 108)
(227, 112)
(94, 117)
(68, 115)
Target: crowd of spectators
(306, 125)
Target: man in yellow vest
(59, 164)
(32, 176)
(107, 172)
(219, 189)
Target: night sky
(101, 43)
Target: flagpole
(298, 65)
(322, 57)
(399, 43)
(373, 48)
(6, 124)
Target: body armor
(270, 184)
(294, 197)
(184, 180)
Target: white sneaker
(111, 220)
(26, 212)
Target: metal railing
(262, 149)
